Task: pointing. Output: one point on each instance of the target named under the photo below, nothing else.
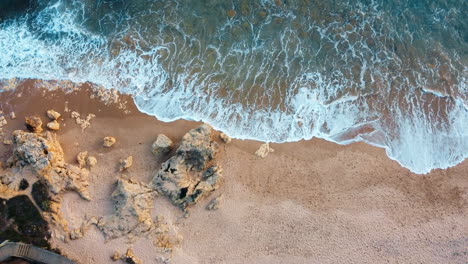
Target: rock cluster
(187, 176)
(82, 122)
(162, 145)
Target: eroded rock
(84, 123)
(184, 178)
(44, 155)
(34, 124)
(264, 150)
(53, 115)
(162, 145)
(108, 141)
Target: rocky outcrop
(34, 124)
(132, 205)
(162, 145)
(264, 150)
(44, 155)
(187, 176)
(225, 138)
(108, 142)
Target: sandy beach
(307, 202)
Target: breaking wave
(389, 73)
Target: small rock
(81, 158)
(54, 125)
(116, 255)
(231, 13)
(264, 150)
(215, 203)
(130, 257)
(3, 121)
(74, 115)
(53, 115)
(12, 115)
(225, 138)
(7, 141)
(162, 145)
(126, 163)
(91, 161)
(108, 142)
(34, 124)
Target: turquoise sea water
(390, 73)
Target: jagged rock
(183, 178)
(162, 145)
(132, 204)
(91, 161)
(81, 158)
(225, 138)
(126, 163)
(264, 150)
(108, 142)
(43, 153)
(34, 124)
(215, 203)
(130, 257)
(53, 115)
(54, 125)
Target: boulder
(225, 138)
(162, 145)
(34, 124)
(53, 115)
(54, 125)
(184, 178)
(108, 142)
(264, 150)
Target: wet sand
(307, 202)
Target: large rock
(44, 155)
(184, 178)
(162, 145)
(132, 204)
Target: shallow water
(390, 73)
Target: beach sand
(308, 202)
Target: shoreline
(309, 201)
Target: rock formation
(184, 178)
(264, 150)
(132, 205)
(53, 115)
(34, 124)
(108, 142)
(162, 145)
(44, 155)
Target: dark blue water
(389, 73)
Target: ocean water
(391, 73)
